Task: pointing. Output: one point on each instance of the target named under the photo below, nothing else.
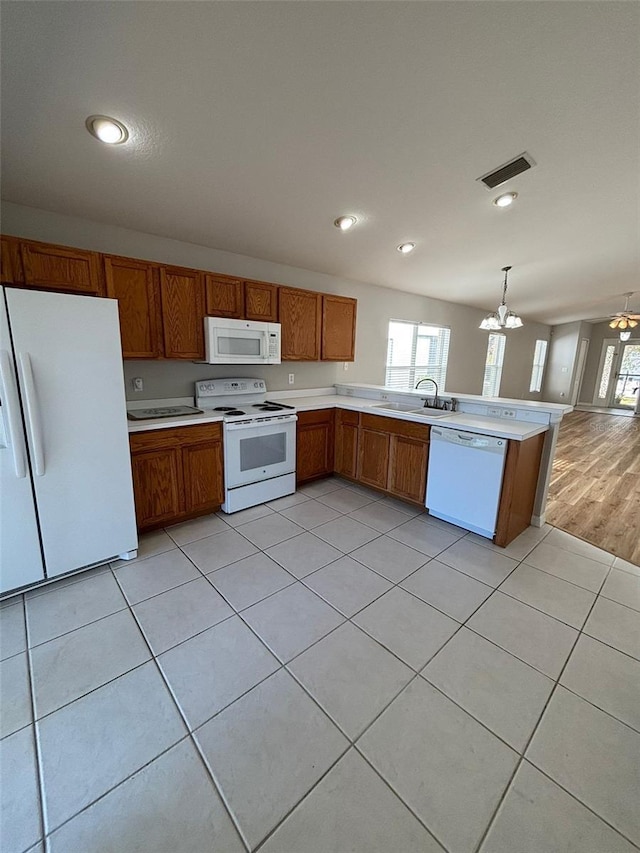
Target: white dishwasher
(464, 479)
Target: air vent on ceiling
(509, 170)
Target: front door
(618, 380)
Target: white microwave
(241, 341)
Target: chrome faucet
(435, 399)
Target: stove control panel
(228, 387)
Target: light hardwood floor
(595, 484)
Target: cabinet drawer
(346, 416)
(174, 436)
(396, 427)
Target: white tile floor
(333, 672)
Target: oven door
(259, 451)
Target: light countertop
(517, 430)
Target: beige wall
(376, 306)
(561, 366)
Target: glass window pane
(416, 351)
(493, 365)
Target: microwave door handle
(32, 412)
(13, 426)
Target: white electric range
(259, 440)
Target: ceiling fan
(625, 319)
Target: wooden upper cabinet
(11, 264)
(61, 268)
(183, 310)
(338, 328)
(260, 301)
(300, 313)
(135, 285)
(225, 296)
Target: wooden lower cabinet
(177, 473)
(314, 445)
(519, 486)
(346, 443)
(373, 458)
(408, 462)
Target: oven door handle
(276, 422)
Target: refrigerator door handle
(32, 413)
(13, 426)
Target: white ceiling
(254, 124)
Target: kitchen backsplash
(164, 379)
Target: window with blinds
(539, 357)
(493, 365)
(416, 351)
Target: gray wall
(376, 306)
(562, 355)
(599, 331)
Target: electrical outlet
(384, 396)
(508, 413)
(493, 412)
(292, 377)
(138, 383)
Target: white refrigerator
(66, 499)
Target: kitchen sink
(422, 411)
(396, 407)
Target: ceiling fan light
(622, 323)
(614, 324)
(633, 323)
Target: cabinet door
(203, 484)
(182, 294)
(315, 445)
(373, 458)
(346, 446)
(260, 301)
(157, 485)
(134, 285)
(300, 313)
(408, 461)
(11, 265)
(61, 268)
(338, 328)
(225, 296)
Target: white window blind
(539, 357)
(416, 351)
(493, 365)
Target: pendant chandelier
(503, 318)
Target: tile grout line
(35, 733)
(509, 785)
(284, 665)
(189, 733)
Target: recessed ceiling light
(345, 222)
(505, 199)
(107, 129)
(405, 248)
